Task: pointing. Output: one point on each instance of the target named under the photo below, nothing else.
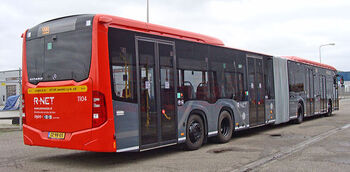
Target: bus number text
(82, 98)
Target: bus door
(323, 94)
(256, 91)
(156, 92)
(310, 95)
(317, 93)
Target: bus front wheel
(194, 132)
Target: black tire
(194, 132)
(329, 110)
(300, 118)
(225, 127)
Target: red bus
(109, 84)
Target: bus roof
(150, 28)
(309, 62)
(154, 29)
(157, 29)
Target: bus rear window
(59, 50)
(62, 56)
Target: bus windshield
(59, 56)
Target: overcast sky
(275, 27)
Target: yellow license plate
(56, 135)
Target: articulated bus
(109, 84)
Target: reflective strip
(181, 139)
(128, 149)
(158, 147)
(272, 121)
(212, 133)
(292, 117)
(241, 127)
(120, 113)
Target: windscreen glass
(58, 56)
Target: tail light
(99, 114)
(23, 111)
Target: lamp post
(319, 49)
(147, 11)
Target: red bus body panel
(309, 62)
(60, 111)
(75, 117)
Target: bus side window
(123, 68)
(194, 85)
(230, 85)
(240, 90)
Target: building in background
(345, 91)
(10, 84)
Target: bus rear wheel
(225, 127)
(300, 118)
(194, 132)
(329, 110)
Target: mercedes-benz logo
(54, 77)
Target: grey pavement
(318, 144)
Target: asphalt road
(318, 144)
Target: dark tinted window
(222, 80)
(269, 78)
(59, 55)
(193, 66)
(121, 46)
(296, 77)
(240, 67)
(63, 56)
(35, 59)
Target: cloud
(275, 27)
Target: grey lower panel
(270, 111)
(212, 111)
(241, 115)
(281, 89)
(126, 120)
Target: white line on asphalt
(291, 150)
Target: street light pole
(319, 49)
(147, 11)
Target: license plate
(56, 135)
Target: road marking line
(288, 151)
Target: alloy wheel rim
(225, 127)
(195, 131)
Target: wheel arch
(230, 111)
(302, 103)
